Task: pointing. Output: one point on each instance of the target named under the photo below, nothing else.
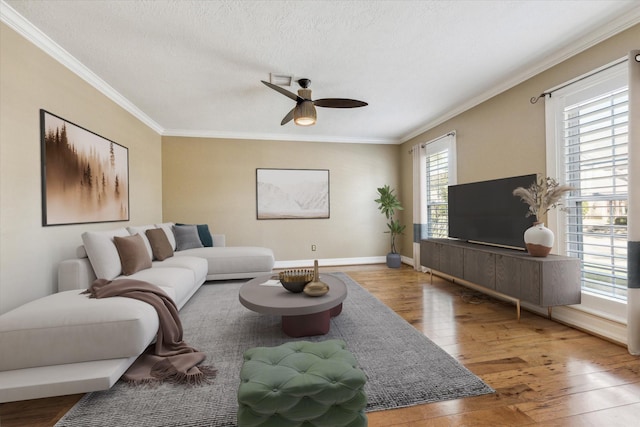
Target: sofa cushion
(204, 234)
(133, 254)
(160, 245)
(70, 327)
(177, 282)
(186, 237)
(197, 265)
(168, 229)
(102, 252)
(233, 259)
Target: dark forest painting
(85, 177)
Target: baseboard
(593, 324)
(301, 263)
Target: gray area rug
(404, 368)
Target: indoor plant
(388, 204)
(541, 196)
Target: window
(440, 172)
(591, 121)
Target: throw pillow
(133, 254)
(102, 252)
(168, 229)
(186, 237)
(160, 245)
(141, 230)
(205, 235)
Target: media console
(516, 275)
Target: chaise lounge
(67, 343)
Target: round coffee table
(302, 315)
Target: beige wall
(213, 181)
(31, 80)
(505, 136)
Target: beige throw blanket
(169, 358)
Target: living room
(212, 180)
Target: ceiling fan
(304, 113)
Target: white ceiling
(194, 67)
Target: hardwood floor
(544, 373)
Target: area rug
(403, 367)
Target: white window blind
(437, 182)
(596, 164)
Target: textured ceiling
(194, 67)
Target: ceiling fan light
(305, 114)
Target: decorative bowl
(295, 280)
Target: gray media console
(545, 282)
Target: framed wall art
(292, 193)
(85, 177)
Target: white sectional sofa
(68, 343)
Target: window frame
(446, 143)
(597, 82)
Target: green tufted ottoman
(301, 383)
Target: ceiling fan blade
(283, 91)
(339, 103)
(288, 117)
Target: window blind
(596, 164)
(437, 181)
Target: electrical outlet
(313, 247)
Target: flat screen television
(488, 212)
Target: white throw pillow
(102, 252)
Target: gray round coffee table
(302, 315)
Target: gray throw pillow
(186, 237)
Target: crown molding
(601, 34)
(17, 22)
(276, 137)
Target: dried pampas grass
(542, 196)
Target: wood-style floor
(544, 373)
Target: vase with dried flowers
(541, 196)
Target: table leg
(307, 325)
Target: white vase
(539, 240)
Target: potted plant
(388, 204)
(541, 197)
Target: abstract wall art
(292, 193)
(85, 177)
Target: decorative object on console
(388, 203)
(295, 280)
(316, 288)
(539, 240)
(292, 193)
(85, 177)
(541, 196)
